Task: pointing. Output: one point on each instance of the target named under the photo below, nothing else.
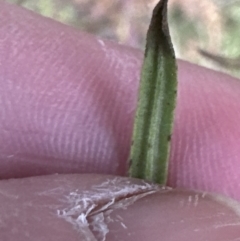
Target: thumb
(97, 207)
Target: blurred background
(205, 32)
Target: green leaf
(157, 98)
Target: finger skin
(205, 148)
(68, 106)
(68, 101)
(94, 207)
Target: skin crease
(67, 106)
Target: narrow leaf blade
(157, 98)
